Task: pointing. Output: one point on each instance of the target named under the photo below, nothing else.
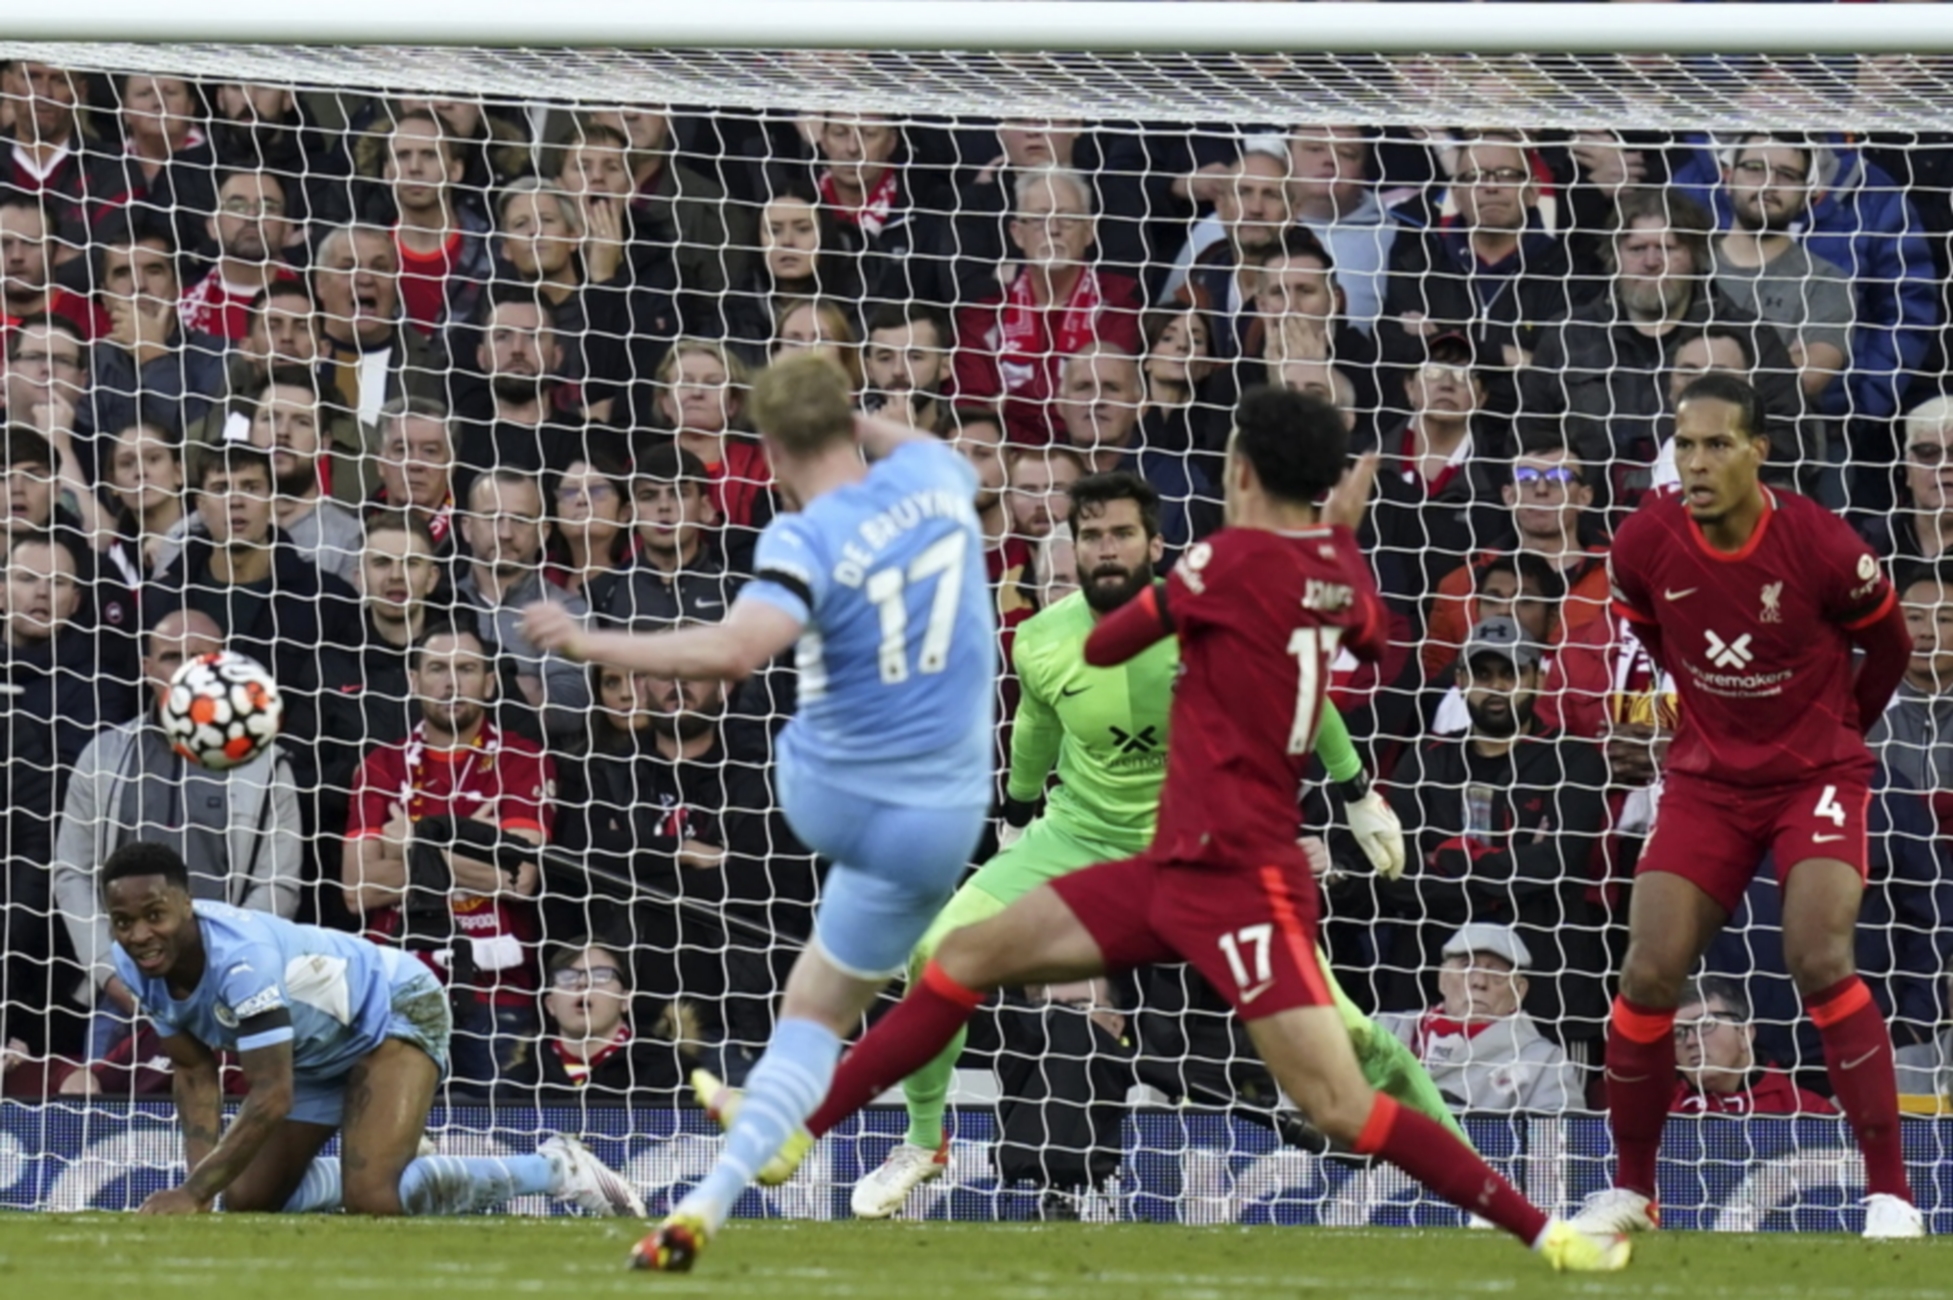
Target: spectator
(1038, 489)
(27, 285)
(519, 356)
(1056, 305)
(1598, 374)
(906, 364)
(1914, 736)
(1434, 483)
(145, 476)
(1495, 271)
(1764, 266)
(869, 185)
(368, 698)
(238, 830)
(416, 467)
(1252, 211)
(54, 697)
(1861, 221)
(1482, 1049)
(801, 257)
(679, 572)
(266, 600)
(440, 240)
(46, 389)
(1333, 188)
(249, 229)
(1926, 1069)
(261, 128)
(456, 763)
(168, 168)
(1179, 358)
(593, 533)
(978, 434)
(613, 331)
(822, 326)
(285, 423)
(52, 161)
(1715, 1049)
(1502, 822)
(32, 472)
(505, 529)
(1551, 516)
(588, 1050)
(1921, 528)
(674, 205)
(678, 798)
(701, 393)
(372, 359)
(1098, 401)
(148, 363)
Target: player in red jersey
(1261, 609)
(1753, 599)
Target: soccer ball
(222, 710)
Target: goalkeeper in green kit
(1105, 731)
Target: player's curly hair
(140, 858)
(1296, 443)
(1717, 386)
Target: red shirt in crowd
(1770, 1092)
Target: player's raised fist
(1350, 499)
(549, 626)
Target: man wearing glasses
(250, 230)
(1492, 269)
(1763, 265)
(1715, 1049)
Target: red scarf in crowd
(1436, 1025)
(1025, 340)
(872, 215)
(579, 1069)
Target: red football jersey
(502, 776)
(1261, 617)
(1757, 641)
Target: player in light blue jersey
(879, 580)
(335, 1035)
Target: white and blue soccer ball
(222, 710)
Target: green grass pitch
(72, 1257)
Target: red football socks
(902, 1042)
(1422, 1148)
(1858, 1055)
(1640, 1089)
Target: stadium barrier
(1719, 1173)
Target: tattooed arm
(215, 1162)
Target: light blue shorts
(895, 866)
(419, 1015)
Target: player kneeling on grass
(335, 1035)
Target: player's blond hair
(802, 403)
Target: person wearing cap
(1492, 268)
(1715, 1047)
(1504, 818)
(1482, 1049)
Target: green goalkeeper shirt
(1105, 729)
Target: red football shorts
(1251, 931)
(1715, 835)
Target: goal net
(339, 354)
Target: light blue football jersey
(898, 662)
(337, 987)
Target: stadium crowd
(344, 382)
